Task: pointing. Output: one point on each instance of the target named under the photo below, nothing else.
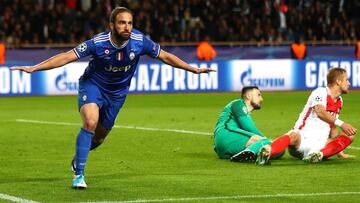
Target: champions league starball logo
(82, 47)
(317, 98)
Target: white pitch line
(15, 199)
(231, 197)
(116, 126)
(133, 127)
(46, 122)
(356, 148)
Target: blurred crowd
(274, 21)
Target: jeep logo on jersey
(132, 55)
(115, 69)
(119, 56)
(82, 47)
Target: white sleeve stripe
(101, 36)
(104, 40)
(136, 34)
(76, 53)
(100, 40)
(97, 39)
(157, 55)
(133, 35)
(138, 39)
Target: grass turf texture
(137, 164)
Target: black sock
(94, 145)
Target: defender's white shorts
(311, 140)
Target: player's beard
(256, 106)
(122, 36)
(344, 91)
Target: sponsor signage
(266, 74)
(164, 78)
(314, 72)
(269, 75)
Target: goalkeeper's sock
(83, 144)
(336, 146)
(256, 146)
(279, 145)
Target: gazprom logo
(247, 79)
(62, 83)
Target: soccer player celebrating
(315, 135)
(236, 136)
(105, 83)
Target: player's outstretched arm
(174, 61)
(53, 62)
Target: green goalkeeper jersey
(235, 117)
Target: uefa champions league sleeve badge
(82, 47)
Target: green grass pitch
(145, 163)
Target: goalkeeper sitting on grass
(236, 137)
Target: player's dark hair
(335, 74)
(118, 10)
(246, 89)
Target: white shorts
(312, 140)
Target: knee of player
(294, 137)
(90, 124)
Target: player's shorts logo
(82, 47)
(132, 55)
(84, 98)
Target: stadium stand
(264, 21)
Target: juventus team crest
(132, 55)
(119, 56)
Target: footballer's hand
(204, 70)
(348, 129)
(27, 69)
(254, 139)
(345, 156)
